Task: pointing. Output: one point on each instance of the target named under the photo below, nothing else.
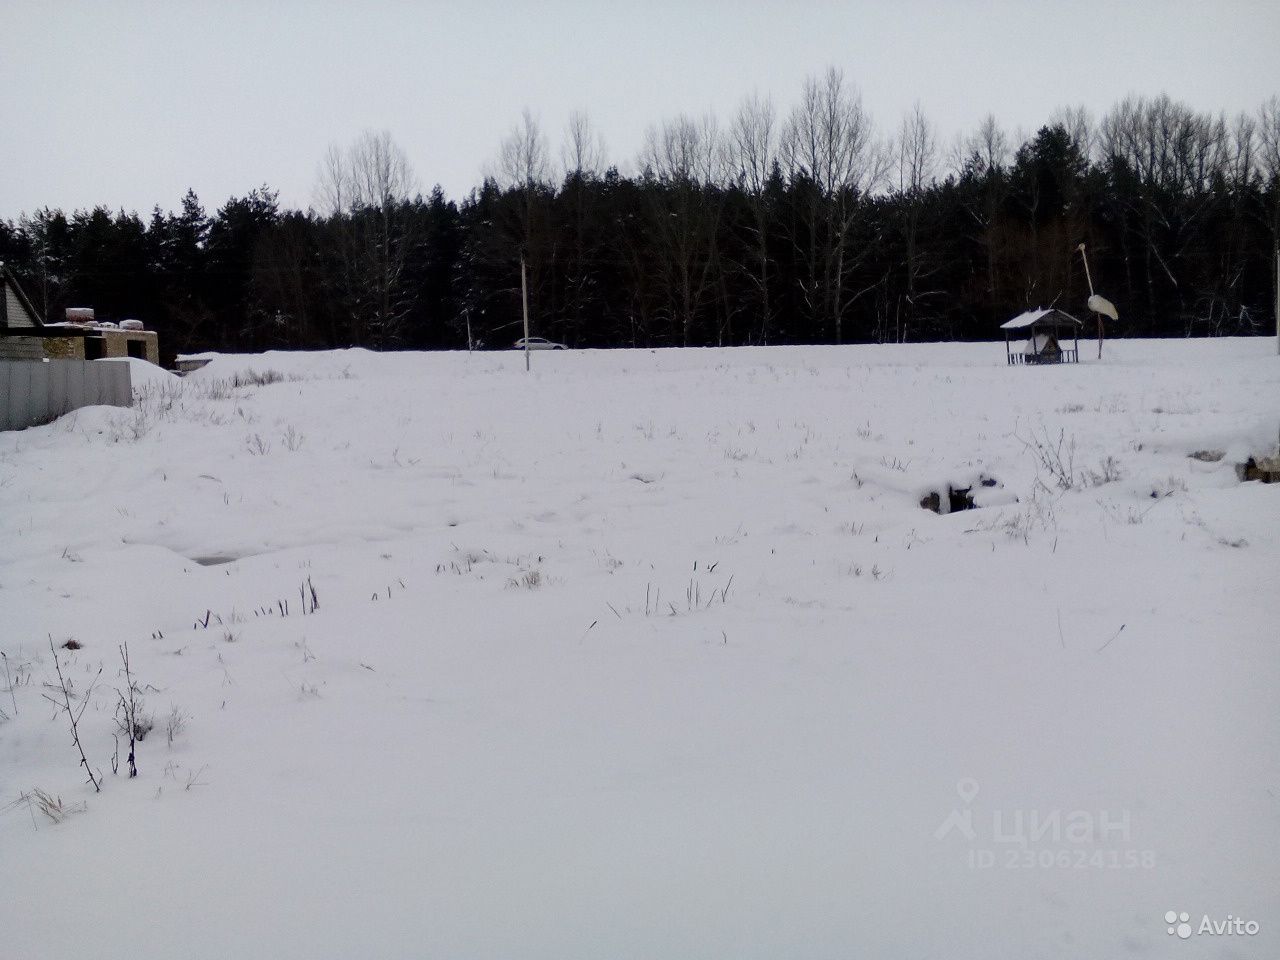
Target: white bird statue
(1101, 306)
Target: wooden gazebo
(1041, 329)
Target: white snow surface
(651, 654)
(145, 375)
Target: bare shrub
(529, 580)
(140, 722)
(1108, 472)
(175, 723)
(1054, 457)
(73, 716)
(132, 721)
(255, 378)
(1168, 487)
(292, 439)
(49, 805)
(1035, 515)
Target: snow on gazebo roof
(1052, 316)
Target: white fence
(34, 392)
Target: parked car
(539, 343)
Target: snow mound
(145, 375)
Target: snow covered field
(651, 654)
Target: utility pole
(524, 297)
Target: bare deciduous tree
(687, 159)
(830, 141)
(1173, 155)
(1165, 143)
(365, 189)
(583, 151)
(1080, 127)
(986, 150)
(985, 154)
(333, 193)
(583, 155)
(523, 157)
(373, 171)
(1242, 150)
(830, 137)
(917, 152)
(380, 171)
(685, 149)
(753, 156)
(523, 166)
(1269, 164)
(1269, 138)
(752, 141)
(916, 158)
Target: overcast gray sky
(128, 104)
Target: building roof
(1052, 317)
(7, 281)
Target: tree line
(802, 226)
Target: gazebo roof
(1052, 317)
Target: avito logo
(1179, 925)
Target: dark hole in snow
(1267, 470)
(214, 561)
(961, 499)
(72, 644)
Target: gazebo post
(1075, 330)
(1008, 356)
